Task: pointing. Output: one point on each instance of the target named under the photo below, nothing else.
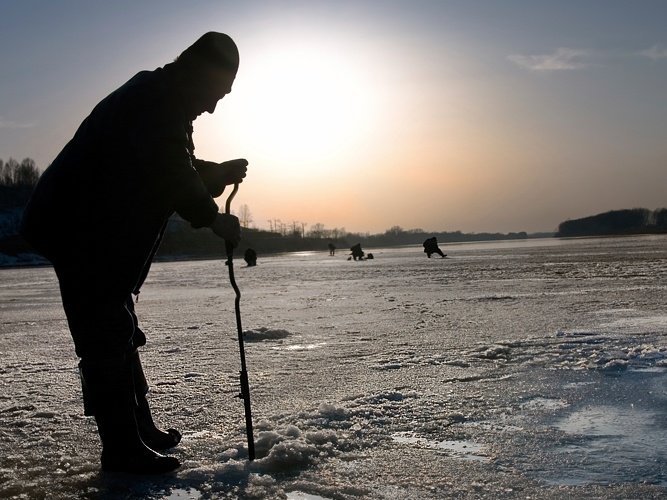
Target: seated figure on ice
(250, 256)
(357, 252)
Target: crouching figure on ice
(431, 247)
(98, 214)
(356, 252)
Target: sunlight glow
(306, 114)
(305, 105)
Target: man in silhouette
(98, 214)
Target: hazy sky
(471, 115)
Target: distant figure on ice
(250, 256)
(431, 247)
(332, 249)
(357, 252)
(98, 214)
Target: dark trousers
(100, 311)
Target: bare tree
(299, 228)
(5, 175)
(8, 171)
(14, 173)
(245, 217)
(27, 174)
(276, 226)
(337, 232)
(317, 230)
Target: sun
(304, 104)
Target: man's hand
(218, 175)
(233, 171)
(228, 228)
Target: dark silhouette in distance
(332, 249)
(431, 247)
(357, 252)
(250, 256)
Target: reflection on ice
(183, 494)
(543, 404)
(300, 495)
(635, 323)
(203, 434)
(304, 347)
(461, 449)
(615, 444)
(608, 421)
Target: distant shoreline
(617, 222)
(33, 260)
(182, 242)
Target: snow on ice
(524, 369)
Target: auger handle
(228, 210)
(228, 203)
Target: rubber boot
(109, 396)
(154, 437)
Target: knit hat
(212, 48)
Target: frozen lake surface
(509, 369)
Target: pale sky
(445, 115)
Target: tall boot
(154, 437)
(109, 396)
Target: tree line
(626, 221)
(15, 174)
(16, 182)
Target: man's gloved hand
(233, 171)
(218, 175)
(228, 228)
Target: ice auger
(245, 388)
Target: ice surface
(510, 369)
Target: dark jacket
(107, 196)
